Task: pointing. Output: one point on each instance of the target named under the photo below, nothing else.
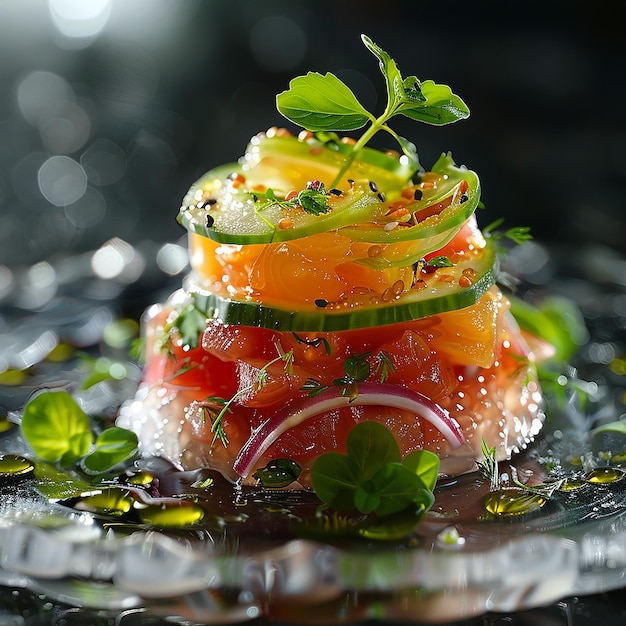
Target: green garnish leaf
(335, 478)
(113, 446)
(440, 261)
(322, 102)
(421, 101)
(424, 464)
(372, 446)
(372, 478)
(390, 490)
(56, 428)
(190, 323)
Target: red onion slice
(370, 394)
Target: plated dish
(341, 408)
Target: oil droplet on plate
(604, 475)
(179, 515)
(111, 501)
(572, 484)
(14, 465)
(511, 502)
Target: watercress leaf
(439, 107)
(56, 427)
(366, 499)
(424, 464)
(372, 446)
(397, 487)
(113, 446)
(335, 478)
(321, 102)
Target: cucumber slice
(445, 206)
(234, 218)
(437, 296)
(286, 162)
(228, 213)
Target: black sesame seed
(373, 186)
(335, 192)
(381, 196)
(209, 221)
(463, 198)
(320, 302)
(211, 201)
(417, 194)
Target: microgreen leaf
(322, 102)
(372, 477)
(440, 261)
(372, 446)
(395, 486)
(335, 479)
(113, 446)
(56, 427)
(424, 464)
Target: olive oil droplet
(513, 502)
(178, 515)
(572, 484)
(14, 465)
(604, 475)
(111, 501)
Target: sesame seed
(320, 302)
(417, 194)
(373, 186)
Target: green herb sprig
(260, 380)
(312, 199)
(319, 102)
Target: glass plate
(254, 557)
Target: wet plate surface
(158, 544)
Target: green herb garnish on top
(372, 477)
(324, 103)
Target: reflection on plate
(254, 555)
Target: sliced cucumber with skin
(445, 206)
(438, 296)
(286, 162)
(235, 219)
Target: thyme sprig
(258, 383)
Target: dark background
(106, 119)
